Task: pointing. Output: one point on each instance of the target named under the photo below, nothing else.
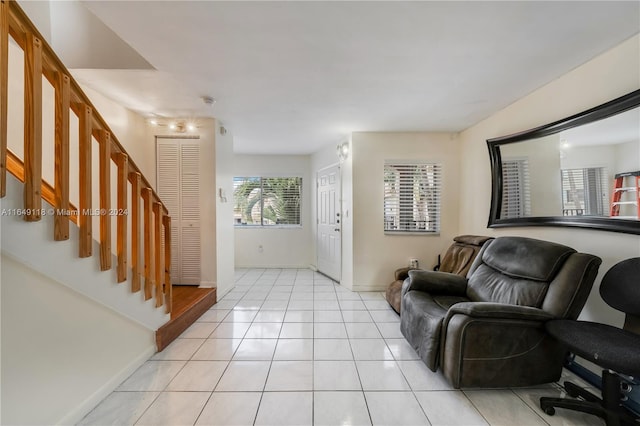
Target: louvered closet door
(179, 188)
(168, 166)
(190, 213)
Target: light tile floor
(291, 347)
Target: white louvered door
(179, 188)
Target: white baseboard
(207, 284)
(370, 287)
(272, 266)
(77, 414)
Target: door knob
(337, 229)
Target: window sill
(267, 226)
(412, 233)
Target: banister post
(168, 292)
(122, 161)
(136, 264)
(61, 182)
(32, 128)
(84, 215)
(104, 141)
(149, 269)
(159, 271)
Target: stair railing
(149, 216)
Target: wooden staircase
(150, 243)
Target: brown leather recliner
(457, 260)
(487, 330)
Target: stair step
(189, 303)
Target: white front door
(329, 223)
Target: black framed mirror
(581, 171)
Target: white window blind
(585, 192)
(412, 197)
(262, 201)
(516, 192)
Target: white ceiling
(292, 77)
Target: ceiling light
(191, 127)
(172, 126)
(153, 122)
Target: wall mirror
(581, 171)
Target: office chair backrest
(620, 288)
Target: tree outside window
(260, 201)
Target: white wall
(131, 130)
(224, 238)
(282, 247)
(61, 352)
(628, 156)
(602, 79)
(376, 254)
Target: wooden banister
(168, 293)
(19, 26)
(40, 60)
(32, 127)
(159, 260)
(136, 264)
(15, 166)
(61, 183)
(105, 200)
(149, 269)
(122, 161)
(85, 179)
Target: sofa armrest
(403, 273)
(435, 283)
(499, 310)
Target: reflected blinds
(585, 192)
(412, 196)
(516, 192)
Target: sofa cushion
(489, 285)
(526, 258)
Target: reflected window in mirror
(579, 171)
(516, 192)
(585, 192)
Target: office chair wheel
(550, 411)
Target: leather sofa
(487, 329)
(457, 260)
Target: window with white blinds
(267, 201)
(412, 197)
(585, 192)
(516, 191)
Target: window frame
(438, 180)
(262, 225)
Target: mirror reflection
(590, 170)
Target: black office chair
(614, 349)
